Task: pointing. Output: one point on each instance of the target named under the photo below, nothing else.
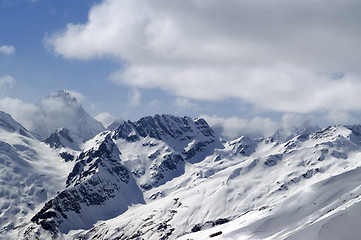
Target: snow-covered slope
(99, 187)
(299, 191)
(168, 177)
(30, 174)
(116, 169)
(61, 110)
(251, 189)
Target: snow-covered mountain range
(169, 177)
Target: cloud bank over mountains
(294, 57)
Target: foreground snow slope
(321, 203)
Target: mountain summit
(61, 110)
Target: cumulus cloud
(286, 56)
(7, 49)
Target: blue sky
(38, 71)
(246, 66)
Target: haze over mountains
(168, 177)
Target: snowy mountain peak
(243, 145)
(165, 127)
(61, 110)
(163, 143)
(63, 95)
(303, 131)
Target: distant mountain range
(169, 177)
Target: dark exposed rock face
(209, 224)
(105, 157)
(164, 127)
(54, 141)
(66, 156)
(61, 138)
(272, 160)
(177, 132)
(97, 179)
(163, 168)
(244, 146)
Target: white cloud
(290, 122)
(234, 127)
(279, 56)
(7, 49)
(23, 112)
(6, 82)
(342, 117)
(134, 98)
(105, 118)
(184, 104)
